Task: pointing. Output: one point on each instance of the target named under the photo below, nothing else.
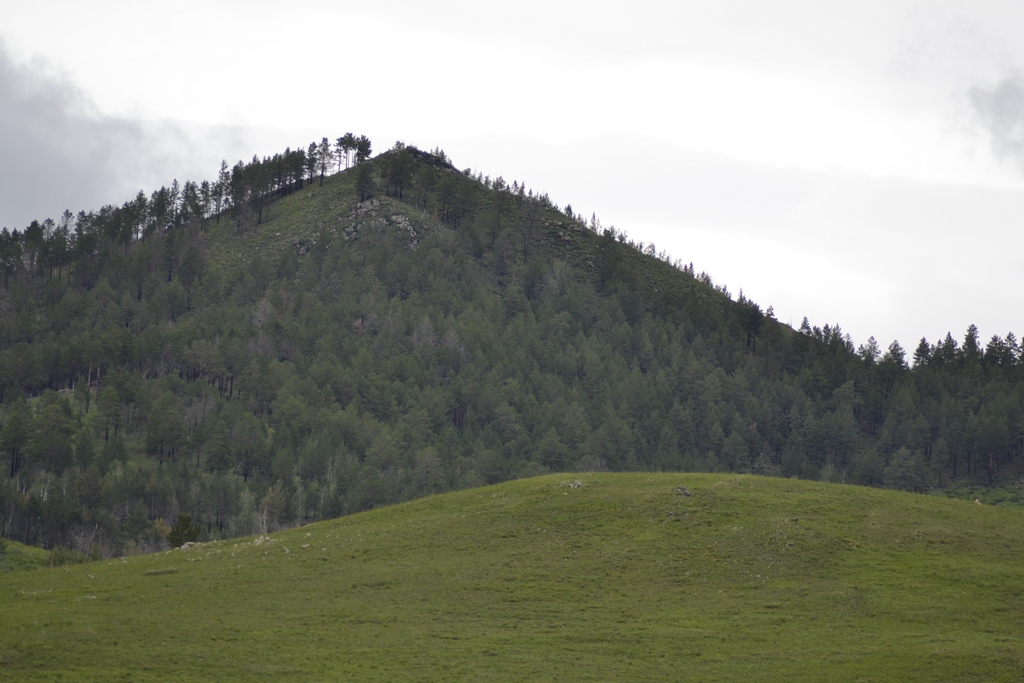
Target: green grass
(621, 579)
(296, 221)
(17, 557)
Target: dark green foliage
(336, 349)
(364, 182)
(185, 531)
(61, 556)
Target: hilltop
(289, 344)
(595, 577)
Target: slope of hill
(285, 346)
(15, 556)
(595, 577)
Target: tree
(258, 179)
(531, 224)
(272, 507)
(997, 352)
(905, 472)
(16, 433)
(237, 189)
(296, 167)
(248, 439)
(10, 254)
(324, 157)
(891, 368)
(946, 352)
(174, 203)
(205, 197)
(971, 349)
(923, 353)
(312, 160)
(752, 319)
(1012, 348)
(218, 448)
(183, 532)
(109, 404)
(191, 203)
(50, 444)
(114, 451)
(220, 188)
(137, 525)
(895, 356)
(362, 147)
(63, 242)
(399, 171)
(868, 352)
(85, 449)
(165, 430)
(425, 181)
(551, 452)
(190, 269)
(343, 146)
(364, 182)
(135, 217)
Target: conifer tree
(343, 147)
(312, 161)
(16, 433)
(220, 188)
(362, 149)
(923, 353)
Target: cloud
(58, 152)
(1000, 111)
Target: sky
(854, 163)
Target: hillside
(595, 577)
(288, 344)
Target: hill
(16, 556)
(288, 344)
(596, 577)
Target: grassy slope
(323, 212)
(18, 556)
(624, 578)
(299, 218)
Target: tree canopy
(410, 328)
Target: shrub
(60, 556)
(183, 532)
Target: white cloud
(60, 152)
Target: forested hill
(299, 339)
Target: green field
(621, 578)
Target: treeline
(452, 330)
(65, 248)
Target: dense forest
(322, 331)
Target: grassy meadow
(562, 577)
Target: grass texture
(561, 578)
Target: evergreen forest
(325, 331)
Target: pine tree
(16, 433)
(923, 353)
(324, 156)
(363, 149)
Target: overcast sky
(858, 163)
